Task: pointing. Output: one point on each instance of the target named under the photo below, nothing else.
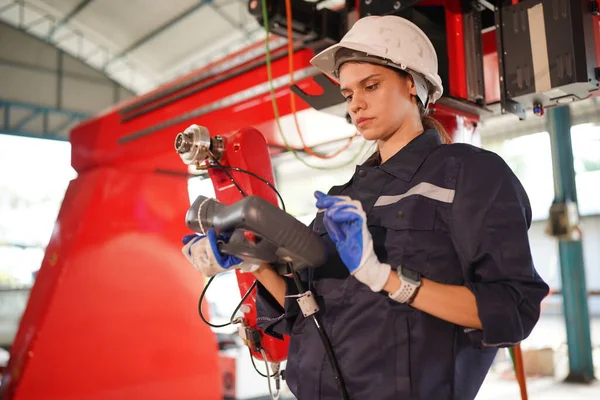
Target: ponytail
(374, 159)
(432, 123)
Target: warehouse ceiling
(137, 43)
(55, 53)
(128, 47)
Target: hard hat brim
(325, 61)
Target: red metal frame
(96, 142)
(455, 45)
(456, 50)
(247, 149)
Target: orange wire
(520, 371)
(288, 9)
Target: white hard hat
(392, 41)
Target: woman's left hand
(346, 223)
(204, 254)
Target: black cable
(337, 375)
(260, 178)
(256, 368)
(201, 300)
(219, 165)
(315, 317)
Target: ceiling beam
(151, 35)
(237, 26)
(59, 24)
(9, 126)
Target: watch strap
(407, 291)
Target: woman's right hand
(346, 223)
(203, 252)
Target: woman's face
(379, 99)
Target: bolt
(397, 5)
(245, 308)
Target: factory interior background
(64, 61)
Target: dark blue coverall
(457, 215)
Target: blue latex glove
(345, 221)
(203, 252)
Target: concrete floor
(500, 383)
(549, 332)
(539, 388)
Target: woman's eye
(348, 98)
(372, 87)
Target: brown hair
(432, 123)
(427, 122)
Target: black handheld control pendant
(259, 232)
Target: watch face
(411, 275)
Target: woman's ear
(412, 88)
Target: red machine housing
(113, 312)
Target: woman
(430, 270)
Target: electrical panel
(549, 53)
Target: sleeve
(489, 221)
(273, 319)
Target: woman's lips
(363, 121)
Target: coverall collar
(405, 163)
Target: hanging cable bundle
(276, 109)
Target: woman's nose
(357, 104)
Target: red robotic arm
(112, 313)
(246, 150)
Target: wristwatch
(411, 282)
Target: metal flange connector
(194, 145)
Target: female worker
(430, 270)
